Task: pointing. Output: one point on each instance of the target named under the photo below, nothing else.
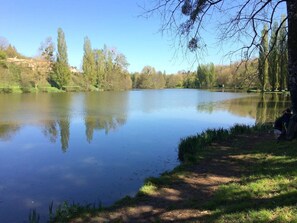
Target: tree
(174, 81)
(240, 21)
(99, 68)
(206, 75)
(88, 66)
(283, 55)
(61, 72)
(146, 78)
(273, 61)
(62, 55)
(263, 59)
(190, 79)
(47, 50)
(111, 69)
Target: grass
(267, 192)
(19, 89)
(191, 148)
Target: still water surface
(99, 147)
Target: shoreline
(201, 190)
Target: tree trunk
(292, 51)
(292, 64)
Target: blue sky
(116, 23)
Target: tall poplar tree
(283, 55)
(88, 65)
(273, 61)
(61, 71)
(100, 68)
(263, 59)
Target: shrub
(6, 90)
(3, 55)
(189, 147)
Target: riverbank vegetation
(236, 175)
(107, 69)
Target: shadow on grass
(266, 192)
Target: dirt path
(182, 200)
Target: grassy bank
(236, 175)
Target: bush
(26, 86)
(6, 90)
(3, 55)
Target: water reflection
(8, 130)
(107, 112)
(54, 113)
(263, 108)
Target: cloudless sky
(115, 23)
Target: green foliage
(61, 73)
(273, 61)
(190, 80)
(12, 52)
(189, 148)
(149, 79)
(174, 81)
(65, 211)
(88, 66)
(263, 59)
(206, 75)
(62, 56)
(6, 90)
(3, 55)
(267, 193)
(147, 189)
(111, 70)
(99, 68)
(283, 54)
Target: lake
(99, 147)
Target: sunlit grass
(147, 189)
(267, 192)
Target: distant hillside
(24, 72)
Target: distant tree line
(107, 69)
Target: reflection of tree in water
(8, 130)
(102, 123)
(270, 106)
(64, 133)
(60, 104)
(22, 109)
(51, 130)
(263, 108)
(105, 111)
